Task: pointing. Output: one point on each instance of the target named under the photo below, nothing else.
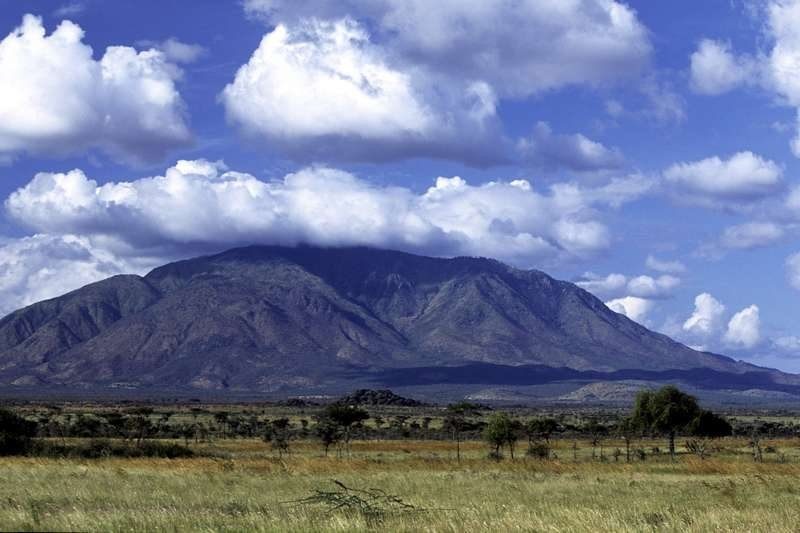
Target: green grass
(247, 488)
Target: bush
(373, 504)
(16, 433)
(539, 450)
(708, 424)
(100, 448)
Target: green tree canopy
(541, 428)
(708, 424)
(669, 410)
(345, 415)
(502, 430)
(341, 416)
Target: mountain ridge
(266, 318)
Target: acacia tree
(626, 430)
(345, 417)
(596, 431)
(455, 421)
(222, 421)
(539, 429)
(328, 432)
(501, 431)
(138, 424)
(665, 411)
(279, 433)
(188, 431)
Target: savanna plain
(265, 468)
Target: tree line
(667, 413)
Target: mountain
(268, 318)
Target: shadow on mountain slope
(490, 374)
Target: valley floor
(242, 485)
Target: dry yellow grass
(247, 488)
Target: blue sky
(641, 149)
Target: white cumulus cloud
(706, 318)
(367, 80)
(635, 296)
(649, 287)
(612, 284)
(739, 180)
(204, 203)
(518, 47)
(617, 285)
(712, 328)
(45, 266)
(322, 89)
(56, 99)
(784, 59)
(632, 307)
(716, 70)
(744, 328)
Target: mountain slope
(261, 318)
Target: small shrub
(373, 504)
(539, 450)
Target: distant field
(240, 484)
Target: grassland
(239, 484)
